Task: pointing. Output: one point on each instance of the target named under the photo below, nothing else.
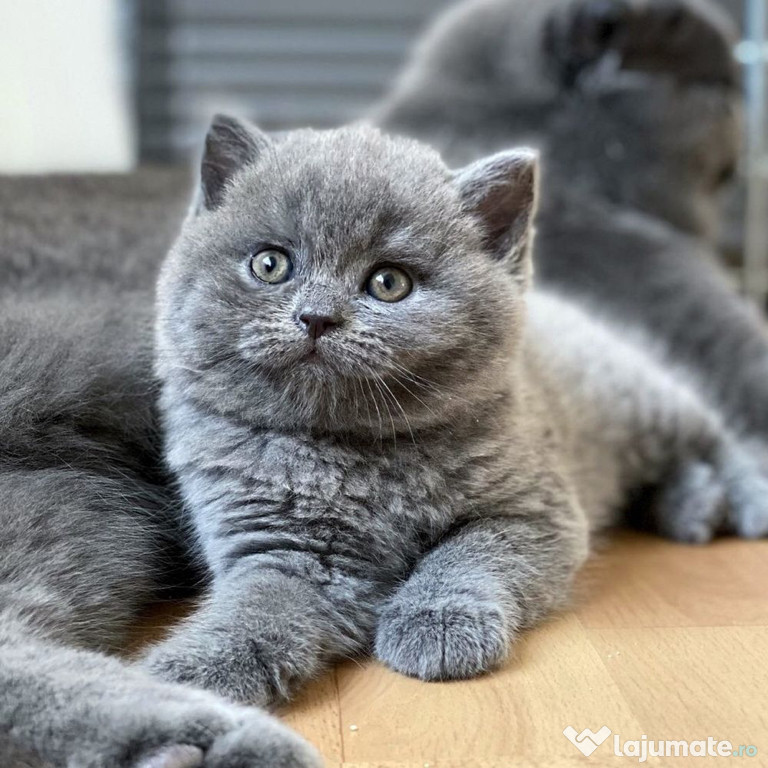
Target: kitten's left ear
(229, 145)
(500, 191)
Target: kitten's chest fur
(364, 506)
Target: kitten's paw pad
(670, 37)
(443, 641)
(164, 726)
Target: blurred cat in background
(635, 106)
(89, 531)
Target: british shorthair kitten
(385, 439)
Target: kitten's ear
(229, 145)
(500, 191)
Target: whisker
(365, 399)
(399, 405)
(385, 403)
(413, 394)
(378, 412)
(428, 384)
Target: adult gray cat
(635, 106)
(381, 435)
(88, 534)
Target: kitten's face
(337, 282)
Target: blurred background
(103, 85)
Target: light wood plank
(555, 679)
(664, 640)
(317, 716)
(691, 682)
(644, 581)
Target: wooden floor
(663, 640)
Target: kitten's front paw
(448, 639)
(249, 670)
(240, 680)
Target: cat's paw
(159, 726)
(691, 505)
(687, 41)
(701, 499)
(745, 475)
(251, 671)
(246, 746)
(446, 639)
(226, 677)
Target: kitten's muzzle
(316, 325)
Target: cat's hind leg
(701, 497)
(643, 437)
(80, 553)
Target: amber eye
(271, 266)
(389, 284)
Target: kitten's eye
(389, 284)
(271, 266)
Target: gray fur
(89, 533)
(87, 537)
(422, 479)
(636, 109)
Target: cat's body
(422, 475)
(89, 530)
(636, 109)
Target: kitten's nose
(317, 325)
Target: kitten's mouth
(313, 352)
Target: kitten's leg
(704, 480)
(263, 631)
(69, 707)
(721, 489)
(80, 555)
(642, 427)
(466, 601)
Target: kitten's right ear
(500, 192)
(229, 145)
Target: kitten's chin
(314, 356)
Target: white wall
(64, 98)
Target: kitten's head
(345, 280)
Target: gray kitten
(635, 106)
(88, 530)
(383, 438)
